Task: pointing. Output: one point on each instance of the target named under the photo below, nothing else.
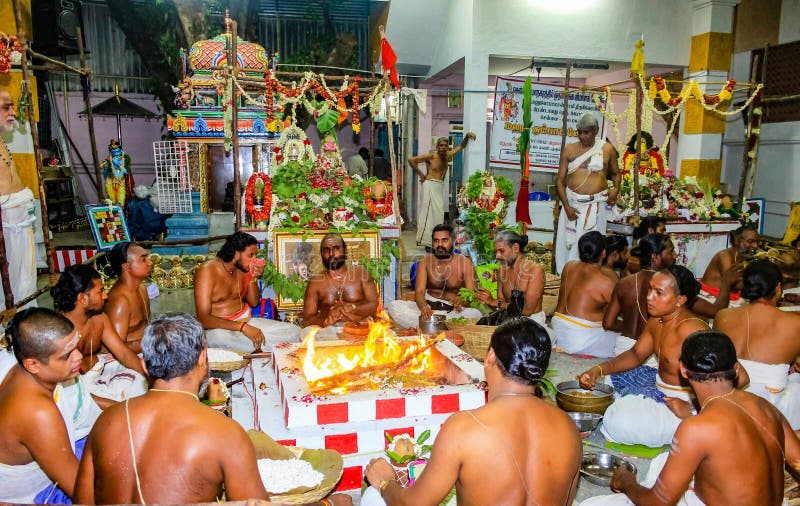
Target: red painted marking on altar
(351, 478)
(287, 442)
(342, 443)
(396, 432)
(286, 414)
(332, 413)
(445, 403)
(390, 408)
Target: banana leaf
(523, 208)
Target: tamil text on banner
(547, 104)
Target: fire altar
(344, 396)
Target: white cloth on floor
(329, 333)
(636, 419)
(431, 211)
(774, 383)
(18, 219)
(578, 336)
(110, 379)
(21, 484)
(275, 332)
(591, 210)
(406, 313)
(624, 344)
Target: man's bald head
(7, 113)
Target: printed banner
(547, 104)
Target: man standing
(134, 442)
(582, 299)
(646, 415)
(766, 339)
(36, 448)
(520, 281)
(504, 437)
(431, 212)
(582, 188)
(440, 276)
(357, 164)
(744, 243)
(18, 214)
(128, 305)
(225, 290)
(734, 450)
(342, 293)
(381, 167)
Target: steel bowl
(432, 326)
(572, 398)
(586, 422)
(598, 468)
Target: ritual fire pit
(385, 377)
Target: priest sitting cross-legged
(645, 415)
(744, 243)
(732, 452)
(225, 290)
(766, 339)
(499, 453)
(343, 293)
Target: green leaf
(423, 437)
(388, 436)
(327, 121)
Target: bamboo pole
(35, 137)
(232, 68)
(59, 64)
(8, 294)
(395, 203)
(751, 174)
(747, 131)
(564, 113)
(635, 166)
(98, 174)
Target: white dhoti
(578, 336)
(18, 219)
(774, 383)
(636, 419)
(329, 333)
(405, 313)
(431, 212)
(591, 210)
(710, 294)
(275, 332)
(109, 379)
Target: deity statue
(117, 171)
(651, 163)
(330, 164)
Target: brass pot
(571, 397)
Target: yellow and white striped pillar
(700, 143)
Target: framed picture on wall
(299, 254)
(754, 210)
(108, 225)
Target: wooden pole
(237, 177)
(35, 137)
(8, 294)
(754, 123)
(98, 174)
(747, 131)
(395, 202)
(635, 166)
(564, 112)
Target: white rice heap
(283, 475)
(217, 355)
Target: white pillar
(476, 77)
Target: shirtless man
(18, 214)
(509, 424)
(648, 225)
(743, 247)
(343, 293)
(128, 305)
(617, 254)
(582, 299)
(169, 429)
(519, 279)
(636, 419)
(225, 290)
(629, 298)
(440, 276)
(431, 212)
(766, 339)
(585, 167)
(35, 444)
(735, 448)
(79, 296)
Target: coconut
(404, 447)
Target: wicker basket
(228, 366)
(476, 337)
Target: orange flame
(380, 351)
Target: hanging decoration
(258, 199)
(523, 208)
(8, 45)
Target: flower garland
(8, 44)
(692, 90)
(260, 215)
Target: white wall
(790, 21)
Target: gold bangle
(384, 484)
(601, 370)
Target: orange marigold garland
(8, 44)
(258, 215)
(379, 208)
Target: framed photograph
(299, 254)
(108, 225)
(754, 210)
